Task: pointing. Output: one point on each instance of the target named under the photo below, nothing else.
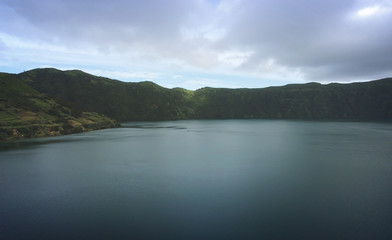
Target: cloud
(368, 11)
(313, 36)
(106, 23)
(294, 40)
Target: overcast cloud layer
(196, 43)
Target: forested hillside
(25, 113)
(116, 99)
(355, 101)
(148, 101)
(44, 102)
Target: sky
(197, 43)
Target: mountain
(119, 100)
(25, 112)
(146, 101)
(53, 100)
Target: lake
(218, 179)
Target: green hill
(148, 101)
(355, 101)
(25, 112)
(119, 100)
(45, 102)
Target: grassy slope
(148, 101)
(119, 100)
(24, 112)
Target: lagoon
(201, 179)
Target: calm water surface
(233, 179)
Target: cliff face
(356, 101)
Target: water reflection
(28, 143)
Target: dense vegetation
(53, 99)
(148, 101)
(356, 101)
(25, 112)
(118, 100)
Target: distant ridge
(148, 101)
(75, 91)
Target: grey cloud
(105, 21)
(148, 30)
(315, 36)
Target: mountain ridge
(75, 91)
(148, 101)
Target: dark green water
(233, 179)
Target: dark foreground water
(233, 179)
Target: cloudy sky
(197, 43)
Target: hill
(356, 101)
(119, 100)
(25, 113)
(147, 101)
(44, 102)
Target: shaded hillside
(119, 100)
(356, 101)
(148, 101)
(25, 112)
